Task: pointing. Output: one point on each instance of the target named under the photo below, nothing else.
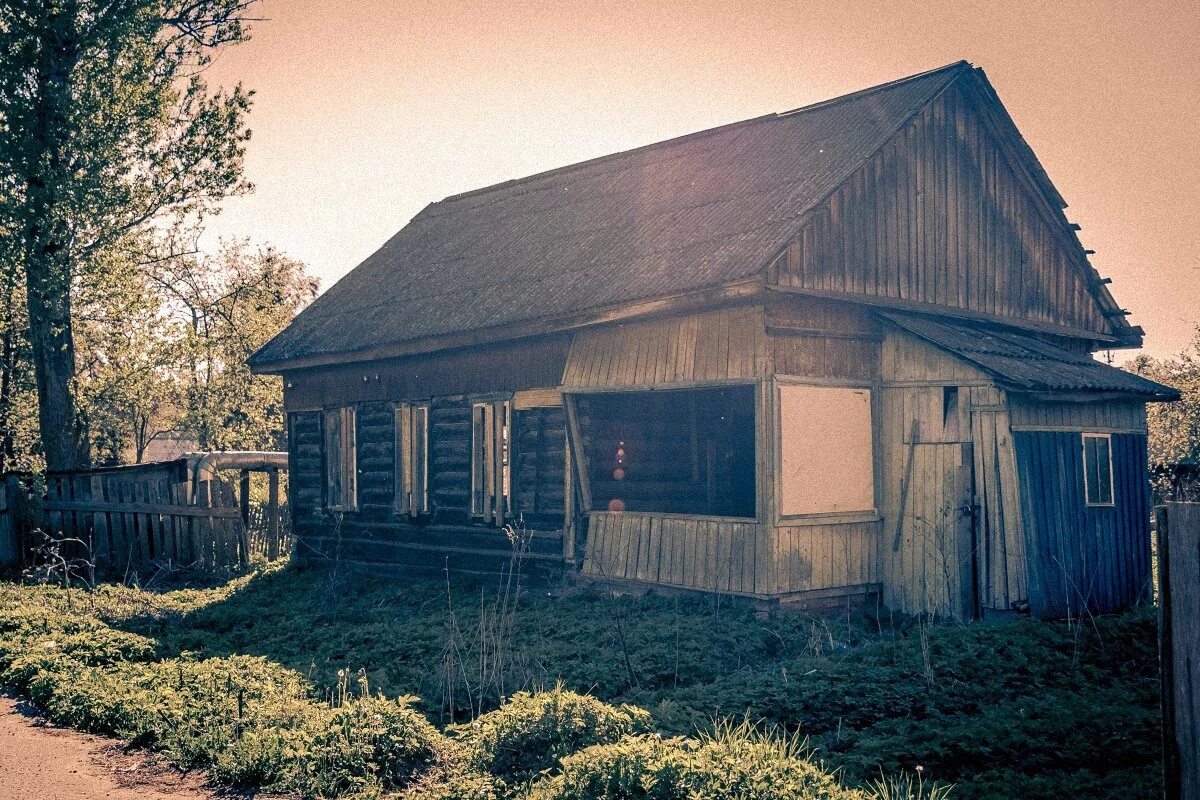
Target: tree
(1174, 428)
(229, 305)
(106, 125)
(129, 352)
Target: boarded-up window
(412, 459)
(491, 495)
(341, 470)
(1097, 469)
(826, 461)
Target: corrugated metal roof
(699, 211)
(1025, 363)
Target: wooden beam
(580, 457)
(957, 313)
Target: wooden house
(819, 354)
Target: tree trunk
(45, 246)
(63, 436)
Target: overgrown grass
(1024, 709)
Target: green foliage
(1026, 709)
(737, 762)
(1174, 428)
(532, 732)
(109, 128)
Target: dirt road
(42, 762)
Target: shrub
(736, 763)
(532, 732)
(367, 744)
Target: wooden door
(1000, 542)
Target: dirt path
(42, 762)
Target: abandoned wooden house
(827, 353)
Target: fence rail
(121, 519)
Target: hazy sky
(367, 111)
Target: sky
(366, 111)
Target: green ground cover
(311, 671)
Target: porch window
(491, 490)
(826, 461)
(341, 465)
(1097, 469)
(684, 451)
(412, 459)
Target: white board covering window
(826, 452)
(491, 491)
(412, 459)
(341, 464)
(1097, 469)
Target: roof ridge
(695, 135)
(855, 95)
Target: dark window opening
(1097, 469)
(677, 452)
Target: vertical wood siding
(693, 553)
(1115, 415)
(696, 348)
(825, 556)
(808, 337)
(1096, 558)
(939, 217)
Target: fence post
(1166, 657)
(244, 496)
(272, 514)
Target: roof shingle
(690, 213)
(1024, 363)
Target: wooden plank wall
(939, 217)
(1178, 527)
(694, 553)
(539, 466)
(1083, 558)
(502, 367)
(707, 347)
(1113, 415)
(821, 339)
(926, 559)
(825, 556)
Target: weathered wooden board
(706, 553)
(941, 218)
(708, 347)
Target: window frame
(346, 464)
(578, 456)
(491, 459)
(410, 459)
(1111, 502)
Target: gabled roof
(1024, 363)
(698, 211)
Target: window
(679, 451)
(1097, 469)
(412, 459)
(491, 495)
(826, 451)
(341, 484)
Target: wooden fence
(120, 519)
(1178, 527)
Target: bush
(736, 763)
(532, 732)
(368, 744)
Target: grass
(1031, 710)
